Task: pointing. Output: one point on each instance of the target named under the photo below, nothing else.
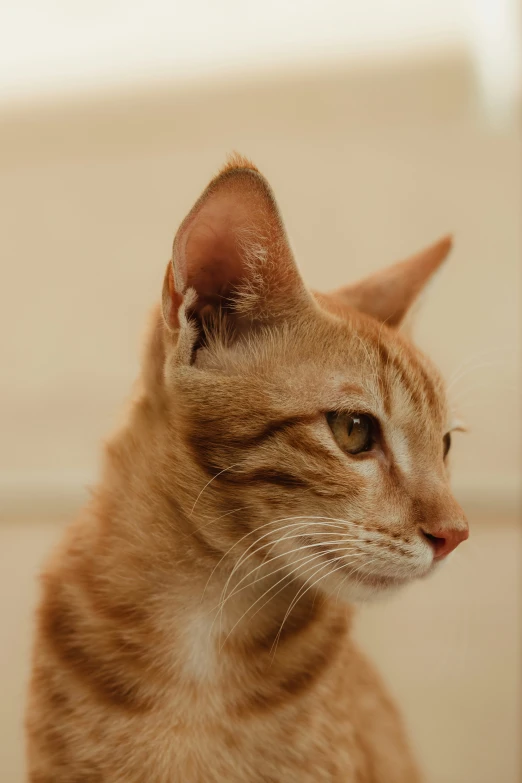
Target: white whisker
(287, 537)
(226, 514)
(287, 576)
(326, 521)
(277, 557)
(301, 593)
(210, 482)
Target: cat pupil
(360, 427)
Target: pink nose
(446, 540)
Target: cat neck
(204, 620)
(154, 551)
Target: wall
(369, 164)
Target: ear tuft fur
(237, 161)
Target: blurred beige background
(370, 159)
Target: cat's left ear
(231, 253)
(389, 294)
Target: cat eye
(446, 444)
(354, 432)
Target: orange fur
(195, 621)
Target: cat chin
(366, 592)
(379, 586)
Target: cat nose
(444, 540)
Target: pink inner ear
(233, 243)
(209, 256)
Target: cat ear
(388, 294)
(232, 251)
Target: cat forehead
(321, 355)
(342, 327)
(393, 368)
(340, 354)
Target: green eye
(354, 432)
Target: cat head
(312, 430)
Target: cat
(284, 457)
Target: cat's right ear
(231, 254)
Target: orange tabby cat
(285, 456)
